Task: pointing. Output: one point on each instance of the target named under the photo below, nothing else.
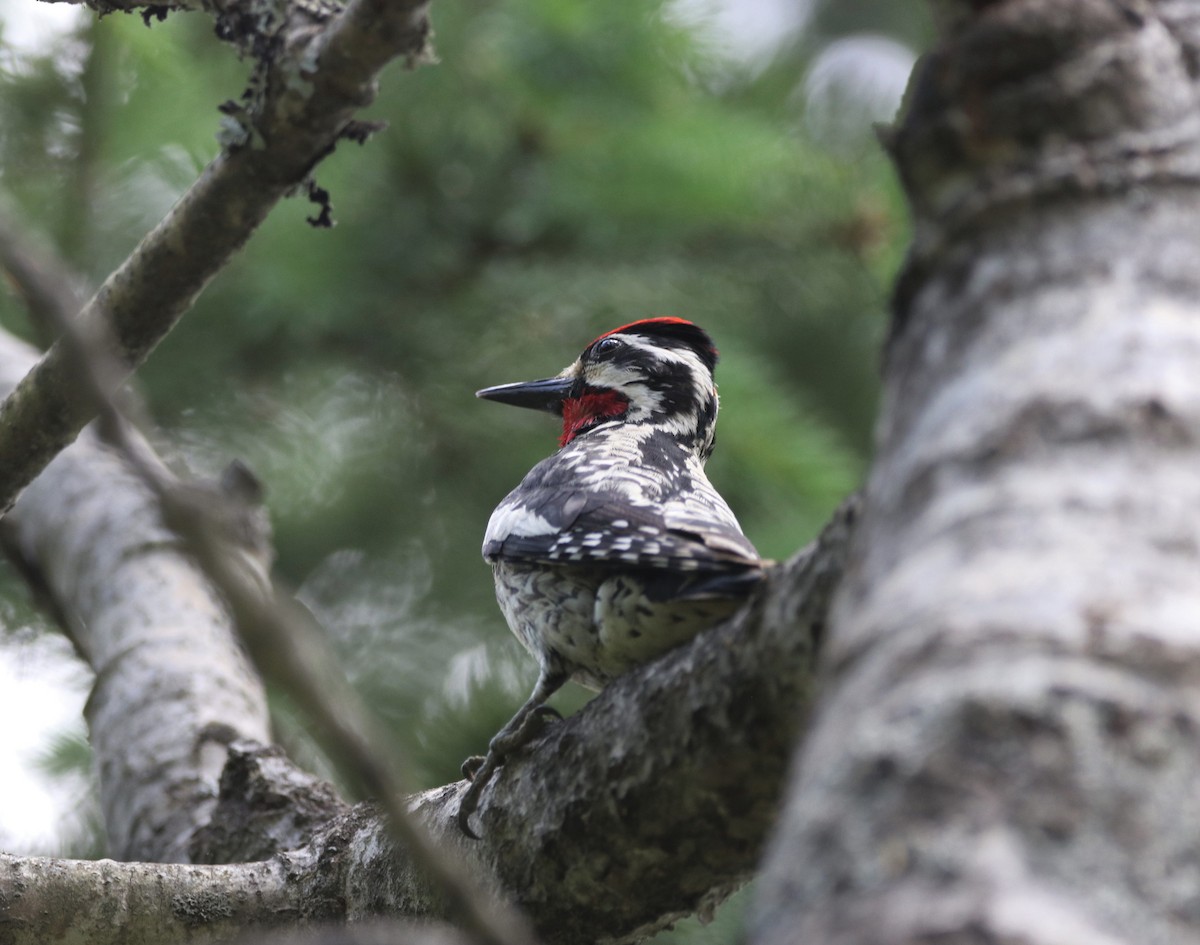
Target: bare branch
(286, 643)
(322, 74)
(50, 292)
(104, 901)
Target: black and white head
(656, 372)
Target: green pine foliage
(67, 759)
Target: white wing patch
(517, 520)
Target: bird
(616, 548)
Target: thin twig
(284, 640)
(282, 637)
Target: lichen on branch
(320, 72)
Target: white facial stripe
(646, 403)
(679, 355)
(697, 369)
(642, 401)
(606, 374)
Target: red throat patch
(579, 413)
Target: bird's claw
(478, 771)
(463, 817)
(521, 729)
(471, 766)
(547, 713)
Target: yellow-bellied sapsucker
(616, 548)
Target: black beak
(537, 395)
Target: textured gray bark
(1007, 747)
(172, 684)
(166, 903)
(44, 900)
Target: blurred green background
(567, 167)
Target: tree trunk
(1007, 748)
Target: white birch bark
(1007, 747)
(172, 686)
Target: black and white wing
(653, 518)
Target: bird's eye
(606, 346)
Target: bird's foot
(539, 720)
(479, 769)
(547, 713)
(471, 766)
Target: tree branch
(693, 746)
(654, 801)
(41, 899)
(315, 77)
(172, 683)
(46, 287)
